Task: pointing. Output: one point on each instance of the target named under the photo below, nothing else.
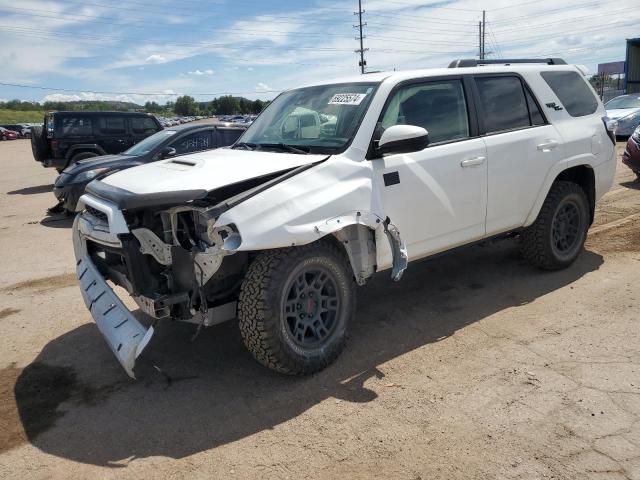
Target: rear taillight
(610, 126)
(54, 144)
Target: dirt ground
(474, 366)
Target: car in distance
(22, 130)
(625, 110)
(68, 137)
(168, 143)
(278, 230)
(631, 154)
(6, 134)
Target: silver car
(625, 109)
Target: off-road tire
(39, 144)
(537, 239)
(261, 307)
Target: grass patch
(16, 116)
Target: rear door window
(75, 126)
(112, 125)
(142, 125)
(504, 103)
(194, 142)
(572, 91)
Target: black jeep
(67, 137)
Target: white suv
(278, 230)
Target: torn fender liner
(126, 336)
(398, 250)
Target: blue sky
(258, 47)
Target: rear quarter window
(572, 91)
(143, 125)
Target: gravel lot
(475, 365)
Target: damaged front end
(175, 263)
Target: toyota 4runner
(278, 230)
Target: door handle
(548, 145)
(470, 162)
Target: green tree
(185, 105)
(257, 106)
(227, 105)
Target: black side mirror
(167, 152)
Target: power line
(418, 18)
(92, 38)
(147, 26)
(555, 10)
(524, 40)
(552, 24)
(434, 7)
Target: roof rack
(471, 62)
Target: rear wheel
(557, 236)
(295, 305)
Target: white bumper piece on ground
(124, 334)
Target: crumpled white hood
(206, 170)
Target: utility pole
(361, 37)
(480, 40)
(484, 31)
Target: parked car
(278, 230)
(21, 130)
(625, 109)
(168, 143)
(68, 137)
(6, 134)
(631, 154)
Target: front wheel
(557, 236)
(295, 305)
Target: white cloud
(90, 96)
(201, 72)
(155, 58)
(263, 87)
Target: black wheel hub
(311, 307)
(566, 228)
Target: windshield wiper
(246, 146)
(300, 150)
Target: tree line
(184, 105)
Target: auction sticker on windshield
(347, 98)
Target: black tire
(557, 237)
(266, 306)
(39, 144)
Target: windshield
(320, 119)
(145, 146)
(625, 101)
